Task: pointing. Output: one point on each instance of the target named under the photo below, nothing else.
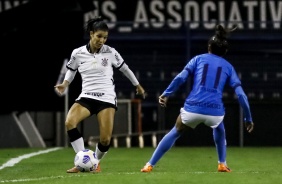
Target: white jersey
(96, 72)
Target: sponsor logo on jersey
(204, 104)
(209, 89)
(70, 63)
(117, 57)
(95, 94)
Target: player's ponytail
(218, 43)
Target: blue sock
(220, 142)
(165, 144)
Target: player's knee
(70, 124)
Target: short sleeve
(72, 63)
(117, 59)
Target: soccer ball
(86, 160)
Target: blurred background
(156, 38)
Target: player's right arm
(177, 82)
(173, 86)
(70, 74)
(60, 88)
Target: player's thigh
(180, 126)
(106, 121)
(76, 114)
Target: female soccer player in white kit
(204, 103)
(95, 62)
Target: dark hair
(218, 43)
(96, 24)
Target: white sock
(78, 145)
(222, 162)
(99, 154)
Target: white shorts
(193, 119)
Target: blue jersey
(210, 75)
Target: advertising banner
(172, 14)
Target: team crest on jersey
(104, 62)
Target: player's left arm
(119, 63)
(243, 100)
(235, 83)
(130, 75)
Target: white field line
(125, 173)
(14, 161)
(39, 179)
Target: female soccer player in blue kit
(204, 103)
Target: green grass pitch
(193, 165)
